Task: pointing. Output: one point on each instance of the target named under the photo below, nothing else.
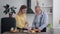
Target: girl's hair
(22, 7)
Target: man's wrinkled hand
(38, 30)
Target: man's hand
(37, 30)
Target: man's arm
(45, 22)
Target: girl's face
(24, 10)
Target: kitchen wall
(42, 3)
(16, 3)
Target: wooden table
(25, 33)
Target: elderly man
(40, 20)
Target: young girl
(21, 22)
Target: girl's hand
(26, 25)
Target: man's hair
(23, 7)
(37, 7)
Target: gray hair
(37, 6)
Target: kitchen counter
(48, 31)
(27, 33)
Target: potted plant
(9, 10)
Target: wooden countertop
(25, 33)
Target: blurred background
(46, 5)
